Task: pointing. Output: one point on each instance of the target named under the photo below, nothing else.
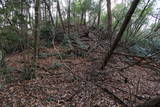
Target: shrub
(11, 40)
(47, 34)
(5, 72)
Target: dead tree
(120, 33)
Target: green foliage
(42, 55)
(63, 55)
(119, 10)
(11, 40)
(85, 5)
(18, 18)
(79, 7)
(1, 19)
(45, 31)
(6, 73)
(45, 34)
(5, 70)
(118, 13)
(80, 44)
(67, 40)
(139, 51)
(13, 22)
(13, 10)
(145, 47)
(103, 18)
(76, 6)
(136, 30)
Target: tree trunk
(36, 33)
(2, 57)
(82, 14)
(85, 16)
(99, 12)
(2, 54)
(109, 22)
(68, 16)
(157, 27)
(119, 35)
(60, 15)
(50, 13)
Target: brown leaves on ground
(75, 83)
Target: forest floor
(78, 82)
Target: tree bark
(99, 12)
(2, 58)
(36, 33)
(68, 16)
(2, 54)
(109, 20)
(82, 14)
(119, 35)
(60, 15)
(50, 13)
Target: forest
(79, 53)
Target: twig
(112, 95)
(138, 97)
(137, 88)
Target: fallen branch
(67, 68)
(138, 97)
(112, 95)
